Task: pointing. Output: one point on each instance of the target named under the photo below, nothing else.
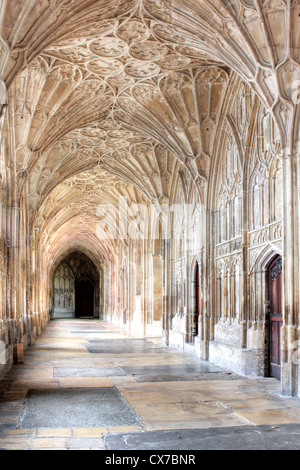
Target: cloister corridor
(87, 384)
(149, 224)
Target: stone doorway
(76, 288)
(275, 316)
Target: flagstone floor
(86, 384)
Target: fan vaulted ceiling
(109, 96)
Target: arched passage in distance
(76, 288)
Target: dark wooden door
(276, 318)
(197, 302)
(84, 299)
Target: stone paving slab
(87, 372)
(186, 377)
(100, 329)
(5, 426)
(285, 437)
(94, 349)
(85, 444)
(75, 408)
(79, 332)
(124, 346)
(51, 402)
(86, 382)
(154, 359)
(169, 369)
(124, 343)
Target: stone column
(147, 255)
(130, 284)
(16, 322)
(168, 298)
(291, 267)
(157, 287)
(213, 282)
(165, 323)
(208, 221)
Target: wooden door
(197, 302)
(276, 318)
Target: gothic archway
(76, 288)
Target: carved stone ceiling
(107, 92)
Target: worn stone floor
(88, 385)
